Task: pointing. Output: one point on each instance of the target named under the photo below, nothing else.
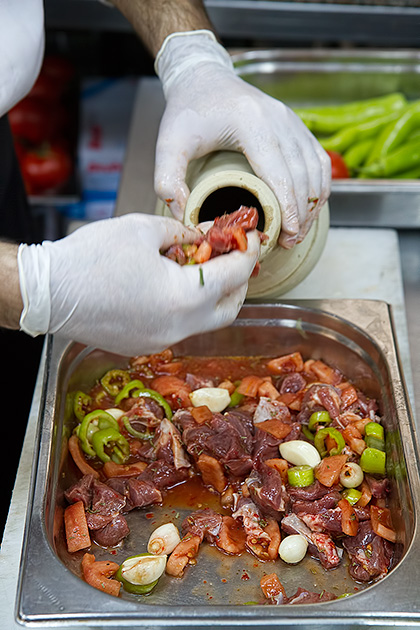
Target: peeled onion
(164, 539)
(293, 548)
(351, 475)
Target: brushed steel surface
(355, 335)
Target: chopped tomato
(212, 472)
(280, 465)
(249, 386)
(366, 494)
(111, 469)
(275, 427)
(348, 396)
(201, 414)
(325, 373)
(271, 586)
(98, 573)
(287, 363)
(79, 459)
(173, 388)
(349, 520)
(328, 470)
(354, 439)
(76, 527)
(203, 252)
(268, 390)
(382, 523)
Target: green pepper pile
(378, 138)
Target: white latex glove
(210, 108)
(108, 286)
(21, 49)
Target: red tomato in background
(35, 121)
(46, 168)
(339, 168)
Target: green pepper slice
(81, 404)
(110, 437)
(320, 441)
(151, 393)
(235, 399)
(352, 495)
(138, 434)
(100, 419)
(300, 476)
(124, 393)
(372, 461)
(318, 417)
(308, 434)
(374, 442)
(114, 380)
(375, 429)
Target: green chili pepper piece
(300, 476)
(81, 405)
(107, 437)
(356, 155)
(406, 157)
(125, 392)
(138, 434)
(235, 399)
(320, 441)
(372, 461)
(352, 495)
(99, 418)
(308, 434)
(151, 393)
(395, 133)
(374, 442)
(318, 417)
(375, 429)
(114, 380)
(412, 173)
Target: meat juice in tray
(253, 465)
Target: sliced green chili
(300, 476)
(81, 404)
(321, 436)
(308, 434)
(146, 435)
(125, 392)
(114, 380)
(318, 417)
(352, 495)
(99, 419)
(113, 439)
(151, 393)
(372, 461)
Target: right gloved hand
(107, 285)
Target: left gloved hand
(210, 108)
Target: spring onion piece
(351, 475)
(299, 453)
(125, 392)
(293, 548)
(373, 461)
(318, 417)
(375, 429)
(163, 540)
(215, 398)
(351, 495)
(114, 380)
(140, 574)
(321, 436)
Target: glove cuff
(34, 277)
(180, 52)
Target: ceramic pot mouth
(225, 192)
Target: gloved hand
(210, 108)
(107, 285)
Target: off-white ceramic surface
(281, 269)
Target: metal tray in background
(305, 78)
(357, 337)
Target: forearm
(154, 20)
(10, 298)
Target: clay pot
(223, 181)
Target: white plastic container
(223, 181)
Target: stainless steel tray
(313, 77)
(356, 336)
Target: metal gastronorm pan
(314, 77)
(354, 335)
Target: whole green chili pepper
(412, 173)
(328, 120)
(348, 136)
(125, 392)
(395, 134)
(114, 380)
(81, 404)
(402, 159)
(320, 441)
(113, 439)
(100, 419)
(356, 155)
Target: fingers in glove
(166, 232)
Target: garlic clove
(215, 398)
(164, 539)
(300, 453)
